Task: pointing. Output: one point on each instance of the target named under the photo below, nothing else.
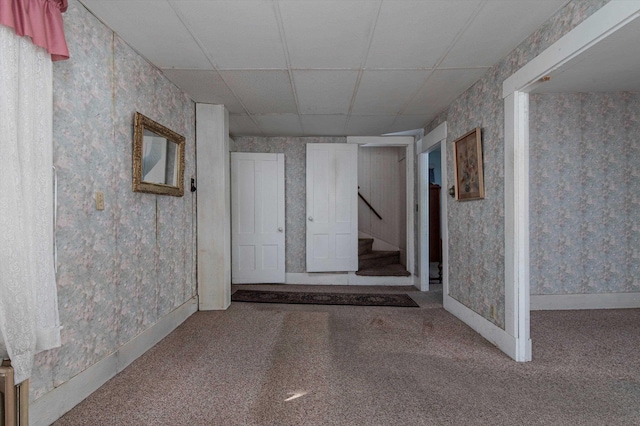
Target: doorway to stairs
(382, 211)
(406, 145)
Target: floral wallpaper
(295, 165)
(585, 177)
(476, 228)
(121, 269)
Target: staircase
(378, 263)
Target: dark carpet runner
(296, 297)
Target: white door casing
(258, 221)
(409, 144)
(332, 207)
(515, 92)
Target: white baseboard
(494, 334)
(52, 405)
(345, 279)
(547, 302)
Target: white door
(332, 207)
(257, 218)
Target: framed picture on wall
(467, 157)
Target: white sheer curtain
(28, 298)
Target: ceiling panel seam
(285, 48)
(363, 61)
(458, 36)
(187, 26)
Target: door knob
(280, 229)
(310, 219)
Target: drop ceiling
(324, 67)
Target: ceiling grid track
(324, 67)
(187, 26)
(285, 48)
(458, 36)
(362, 64)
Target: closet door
(332, 207)
(257, 218)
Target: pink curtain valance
(39, 19)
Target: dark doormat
(296, 297)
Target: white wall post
(214, 207)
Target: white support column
(516, 213)
(214, 207)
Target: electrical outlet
(99, 200)
(492, 312)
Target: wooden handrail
(369, 205)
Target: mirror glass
(158, 158)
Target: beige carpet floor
(272, 364)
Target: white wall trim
(546, 302)
(494, 334)
(516, 220)
(214, 206)
(607, 20)
(598, 26)
(52, 405)
(423, 219)
(381, 140)
(306, 278)
(434, 137)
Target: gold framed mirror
(158, 158)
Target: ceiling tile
(488, 38)
(280, 124)
(326, 91)
(236, 33)
(206, 87)
(442, 88)
(327, 33)
(386, 92)
(324, 125)
(153, 29)
(414, 34)
(262, 92)
(369, 125)
(242, 125)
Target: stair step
(392, 270)
(365, 245)
(378, 258)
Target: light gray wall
(122, 269)
(476, 228)
(295, 166)
(584, 186)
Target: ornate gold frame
(142, 123)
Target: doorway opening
(575, 46)
(382, 211)
(434, 189)
(405, 146)
(433, 235)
